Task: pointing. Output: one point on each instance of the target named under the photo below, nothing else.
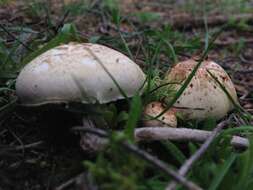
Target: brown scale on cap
(203, 92)
(168, 119)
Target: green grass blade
(246, 168)
(225, 168)
(7, 107)
(237, 106)
(172, 50)
(160, 86)
(68, 33)
(191, 75)
(206, 27)
(231, 131)
(126, 46)
(150, 69)
(175, 151)
(134, 115)
(109, 74)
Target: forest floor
(37, 151)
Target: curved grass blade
(68, 33)
(237, 106)
(134, 115)
(109, 74)
(222, 173)
(191, 75)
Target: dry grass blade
(189, 23)
(14, 37)
(189, 162)
(181, 135)
(109, 74)
(146, 156)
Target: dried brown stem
(15, 38)
(189, 162)
(148, 157)
(32, 145)
(231, 41)
(81, 181)
(161, 165)
(182, 134)
(187, 22)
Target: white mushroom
(79, 73)
(168, 119)
(203, 97)
(73, 72)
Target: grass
(157, 49)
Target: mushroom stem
(182, 134)
(89, 142)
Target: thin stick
(67, 183)
(61, 23)
(32, 145)
(188, 22)
(161, 165)
(22, 146)
(108, 73)
(189, 162)
(231, 42)
(14, 37)
(181, 135)
(81, 181)
(148, 157)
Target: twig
(17, 139)
(67, 183)
(161, 165)
(21, 147)
(91, 143)
(186, 22)
(182, 134)
(82, 181)
(249, 71)
(148, 157)
(32, 145)
(189, 162)
(231, 41)
(85, 182)
(244, 60)
(235, 59)
(61, 22)
(14, 37)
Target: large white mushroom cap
(203, 97)
(73, 72)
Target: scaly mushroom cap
(73, 72)
(168, 119)
(203, 97)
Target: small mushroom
(203, 97)
(168, 119)
(81, 73)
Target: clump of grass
(114, 168)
